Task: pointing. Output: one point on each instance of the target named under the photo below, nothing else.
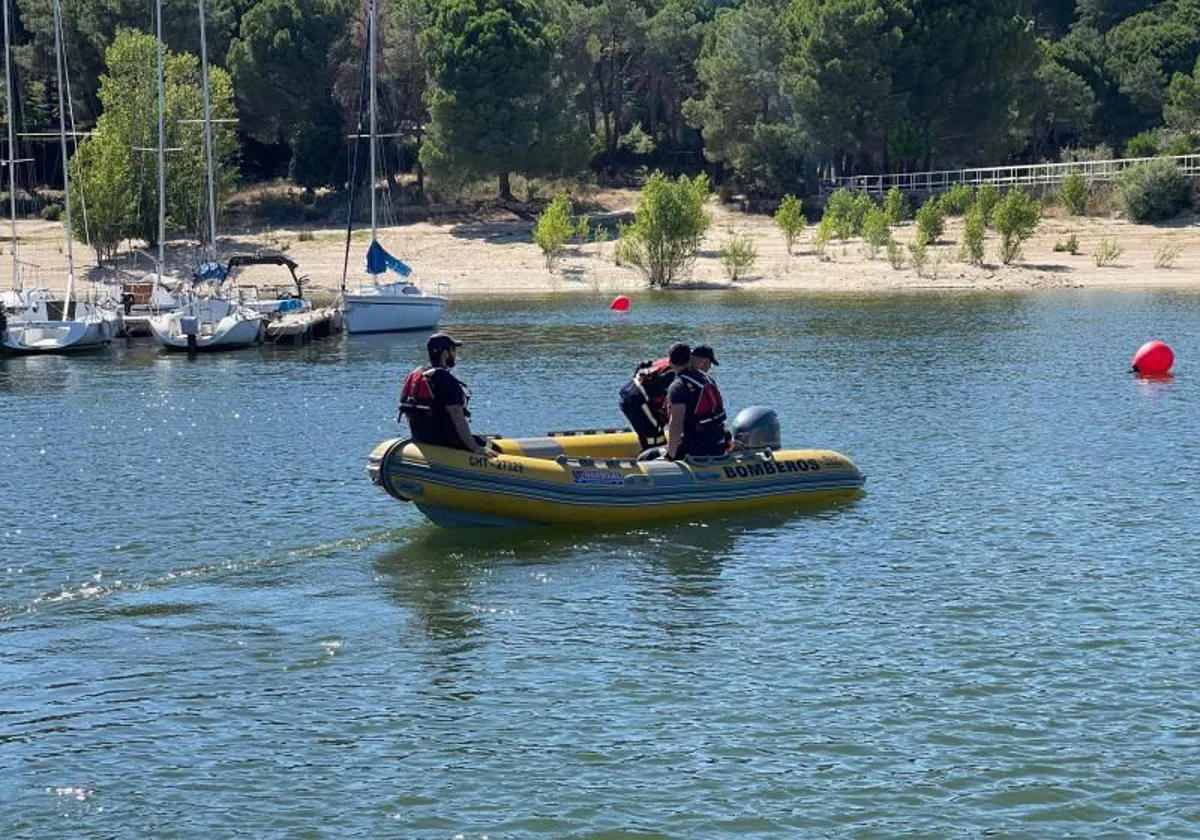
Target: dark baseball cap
(703, 351)
(441, 341)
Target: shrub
(987, 198)
(875, 230)
(1142, 145)
(825, 232)
(895, 254)
(931, 222)
(1107, 252)
(51, 212)
(958, 199)
(1074, 192)
(919, 252)
(553, 228)
(305, 236)
(1101, 151)
(667, 227)
(738, 254)
(896, 206)
(1070, 245)
(1166, 255)
(1153, 191)
(863, 204)
(840, 210)
(1016, 218)
(971, 250)
(790, 220)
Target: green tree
(667, 228)
(496, 106)
(101, 172)
(974, 229)
(1145, 50)
(931, 221)
(1017, 216)
(745, 113)
(896, 205)
(1182, 108)
(281, 64)
(875, 230)
(673, 36)
(129, 123)
(1075, 192)
(789, 218)
(1059, 106)
(554, 228)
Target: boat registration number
(495, 464)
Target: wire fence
(1034, 174)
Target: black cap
(441, 341)
(703, 351)
(680, 353)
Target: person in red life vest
(644, 398)
(434, 401)
(697, 424)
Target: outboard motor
(757, 427)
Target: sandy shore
(492, 253)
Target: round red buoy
(1154, 358)
(619, 304)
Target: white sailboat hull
(217, 327)
(391, 307)
(90, 329)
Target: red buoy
(619, 304)
(1154, 358)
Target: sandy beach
(479, 252)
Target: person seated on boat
(434, 401)
(644, 398)
(697, 421)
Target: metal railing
(1002, 176)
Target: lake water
(211, 624)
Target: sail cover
(379, 261)
(209, 272)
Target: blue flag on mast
(379, 260)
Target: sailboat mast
(12, 151)
(208, 138)
(373, 42)
(62, 143)
(162, 149)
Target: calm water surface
(211, 624)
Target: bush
(987, 198)
(1101, 151)
(790, 220)
(1153, 191)
(895, 254)
(1074, 192)
(1142, 145)
(1070, 245)
(896, 206)
(840, 210)
(918, 250)
(1016, 218)
(825, 232)
(1107, 252)
(51, 212)
(1166, 255)
(958, 199)
(974, 228)
(553, 228)
(738, 254)
(863, 204)
(931, 222)
(668, 226)
(875, 230)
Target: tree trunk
(505, 187)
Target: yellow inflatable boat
(593, 478)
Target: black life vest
(709, 413)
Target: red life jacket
(416, 396)
(652, 380)
(710, 408)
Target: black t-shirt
(436, 427)
(707, 441)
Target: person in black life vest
(697, 425)
(644, 398)
(434, 401)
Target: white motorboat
(376, 307)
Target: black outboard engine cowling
(757, 427)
